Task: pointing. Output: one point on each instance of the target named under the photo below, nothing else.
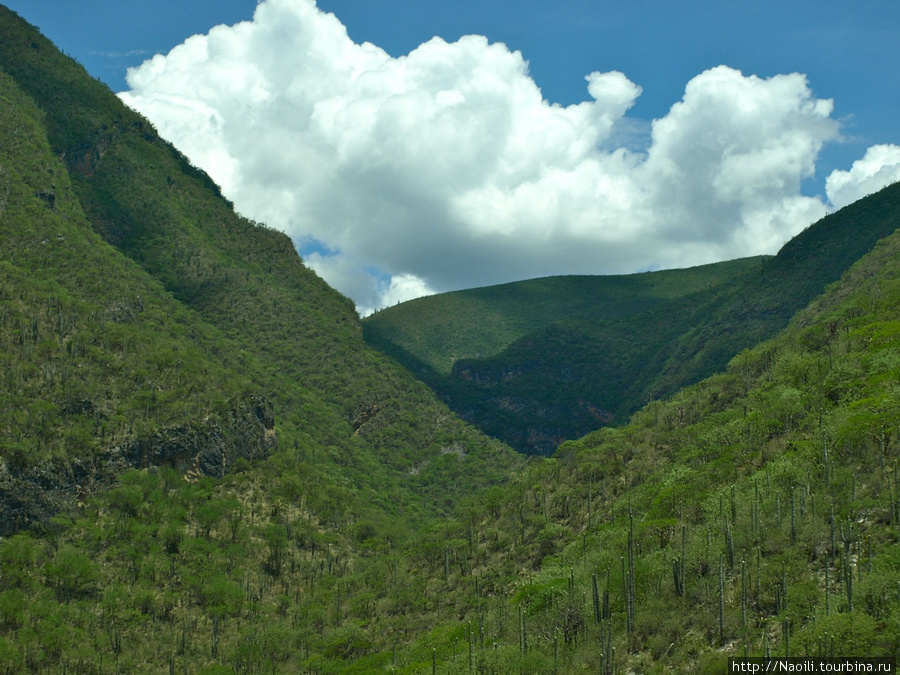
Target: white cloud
(401, 288)
(877, 169)
(370, 290)
(445, 168)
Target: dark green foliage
(517, 360)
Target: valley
(209, 463)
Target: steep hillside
(754, 513)
(95, 353)
(596, 364)
(144, 325)
(253, 317)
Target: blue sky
(847, 52)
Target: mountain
(144, 325)
(439, 330)
(204, 469)
(535, 363)
(754, 513)
(124, 266)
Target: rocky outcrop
(84, 158)
(211, 447)
(363, 413)
(124, 310)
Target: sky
(413, 146)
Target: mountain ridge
(564, 377)
(510, 311)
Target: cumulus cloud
(877, 169)
(445, 168)
(369, 288)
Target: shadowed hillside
(479, 323)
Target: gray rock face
(209, 447)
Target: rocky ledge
(210, 447)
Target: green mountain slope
(754, 513)
(145, 325)
(94, 352)
(439, 330)
(600, 359)
(276, 329)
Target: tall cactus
(523, 633)
(897, 491)
(793, 517)
(833, 533)
(630, 582)
(758, 576)
(626, 595)
(729, 544)
(677, 577)
(605, 612)
(471, 647)
(784, 585)
(721, 600)
(848, 582)
(733, 506)
(678, 565)
(743, 594)
(755, 526)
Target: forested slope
(144, 324)
(756, 512)
(255, 320)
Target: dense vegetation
(570, 354)
(755, 512)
